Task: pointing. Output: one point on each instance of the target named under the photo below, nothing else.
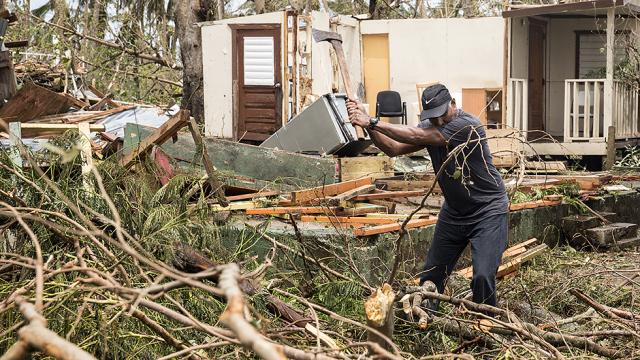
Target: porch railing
(517, 104)
(625, 110)
(584, 110)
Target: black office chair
(389, 104)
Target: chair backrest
(389, 103)
(420, 88)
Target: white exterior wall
(461, 53)
(217, 52)
(217, 55)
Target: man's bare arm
(391, 147)
(392, 139)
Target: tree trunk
(220, 11)
(187, 15)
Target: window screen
(259, 61)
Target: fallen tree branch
(531, 330)
(152, 58)
(233, 317)
(36, 336)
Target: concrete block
(626, 244)
(574, 227)
(607, 235)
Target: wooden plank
(253, 195)
(362, 166)
(160, 135)
(514, 250)
(348, 219)
(513, 265)
(513, 257)
(33, 101)
(389, 195)
(381, 229)
(341, 198)
(546, 165)
(534, 204)
(292, 210)
(235, 206)
(359, 209)
(303, 196)
(30, 130)
(409, 185)
(398, 216)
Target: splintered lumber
(389, 195)
(514, 264)
(307, 195)
(160, 135)
(588, 182)
(291, 210)
(340, 199)
(29, 130)
(397, 217)
(379, 312)
(253, 195)
(409, 185)
(513, 258)
(347, 219)
(33, 101)
(534, 204)
(359, 209)
(381, 229)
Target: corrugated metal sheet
(259, 61)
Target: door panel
(375, 50)
(537, 46)
(258, 75)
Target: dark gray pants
(488, 239)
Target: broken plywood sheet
(33, 101)
(364, 166)
(505, 146)
(248, 161)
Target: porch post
(608, 84)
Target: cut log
(379, 312)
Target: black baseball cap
(435, 101)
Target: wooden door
(375, 51)
(257, 80)
(537, 45)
